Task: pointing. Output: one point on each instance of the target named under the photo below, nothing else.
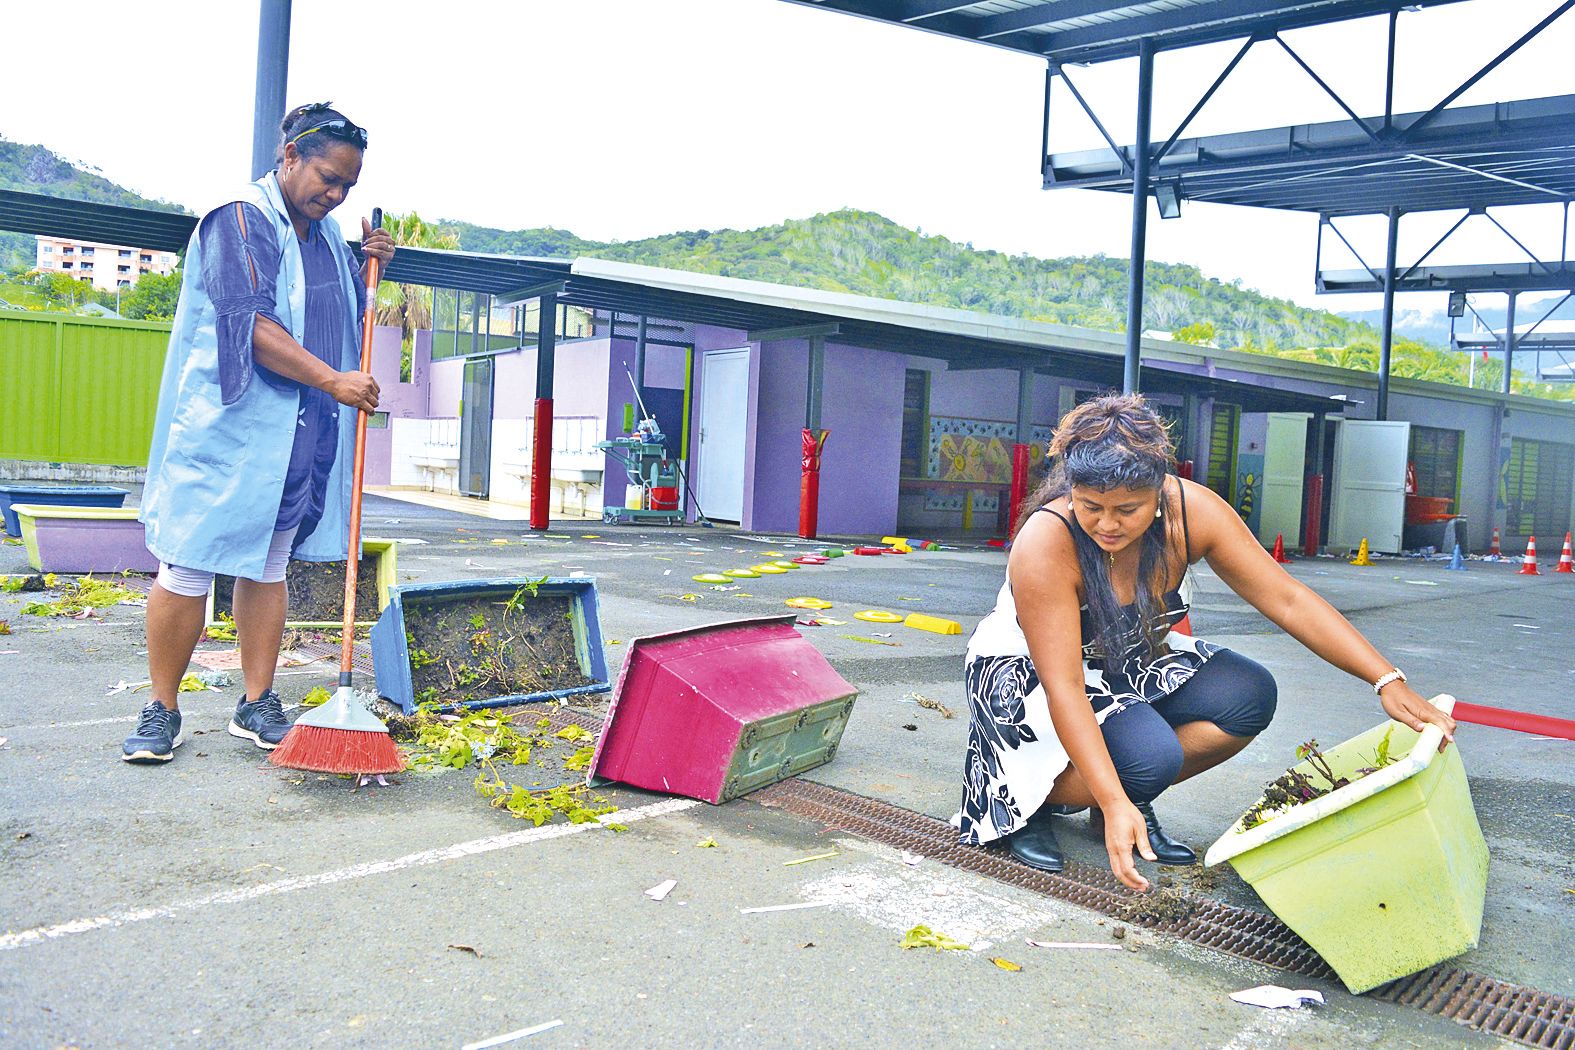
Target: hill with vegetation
(864, 253)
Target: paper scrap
(1273, 997)
(784, 907)
(1071, 944)
(660, 891)
(509, 1037)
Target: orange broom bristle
(321, 750)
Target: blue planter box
(391, 649)
(55, 496)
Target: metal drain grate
(1513, 1011)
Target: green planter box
(1383, 877)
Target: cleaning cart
(652, 492)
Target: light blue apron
(216, 471)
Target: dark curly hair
(1110, 442)
(304, 118)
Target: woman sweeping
(1081, 695)
(248, 466)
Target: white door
(724, 414)
(1284, 460)
(1368, 495)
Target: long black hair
(1111, 442)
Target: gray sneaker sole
(246, 734)
(148, 758)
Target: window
(1435, 456)
(915, 423)
(86, 266)
(122, 284)
(122, 269)
(1223, 438)
(125, 253)
(66, 265)
(1537, 487)
(49, 249)
(142, 269)
(145, 258)
(67, 250)
(86, 252)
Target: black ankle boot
(1166, 849)
(1035, 843)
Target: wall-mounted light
(1457, 304)
(1168, 196)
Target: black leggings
(1235, 693)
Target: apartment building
(106, 266)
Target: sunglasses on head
(338, 128)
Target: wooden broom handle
(353, 556)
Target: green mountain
(867, 254)
(36, 169)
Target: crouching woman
(1080, 693)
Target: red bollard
(1019, 491)
(1314, 523)
(1184, 469)
(541, 466)
(809, 482)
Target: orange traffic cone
(1279, 549)
(1493, 551)
(1566, 558)
(1528, 564)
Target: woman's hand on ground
(355, 389)
(376, 243)
(1125, 830)
(1406, 706)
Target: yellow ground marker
(767, 569)
(710, 577)
(807, 603)
(877, 616)
(933, 624)
(742, 574)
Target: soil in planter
(317, 591)
(477, 648)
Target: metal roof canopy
(1067, 31)
(1497, 277)
(1471, 157)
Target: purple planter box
(55, 496)
(84, 539)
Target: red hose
(1519, 721)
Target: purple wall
(863, 455)
(399, 400)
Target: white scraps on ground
(1071, 944)
(785, 907)
(509, 1037)
(1273, 997)
(458, 851)
(660, 891)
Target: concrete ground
(221, 902)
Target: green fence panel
(79, 390)
(29, 370)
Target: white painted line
(39, 934)
(499, 1040)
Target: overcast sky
(627, 118)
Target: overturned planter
(84, 539)
(1383, 877)
(489, 643)
(55, 496)
(716, 712)
(317, 588)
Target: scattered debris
(465, 948)
(5, 627)
(1158, 905)
(806, 860)
(1071, 944)
(1118, 932)
(784, 907)
(509, 1037)
(215, 679)
(1273, 997)
(660, 891)
(922, 936)
(929, 704)
(910, 858)
(1006, 964)
(807, 944)
(871, 641)
(316, 697)
(82, 598)
(1293, 787)
(706, 843)
(224, 630)
(910, 727)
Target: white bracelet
(1396, 675)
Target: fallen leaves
(1007, 965)
(922, 936)
(465, 948)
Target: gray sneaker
(156, 738)
(261, 721)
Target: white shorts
(194, 583)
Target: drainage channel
(1472, 1000)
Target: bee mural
(1246, 487)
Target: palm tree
(409, 306)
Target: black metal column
(1025, 405)
(273, 64)
(1388, 334)
(1509, 344)
(639, 365)
(1140, 165)
(817, 381)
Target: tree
(409, 306)
(1201, 333)
(152, 298)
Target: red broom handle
(353, 557)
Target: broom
(342, 736)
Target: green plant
(81, 598)
(1293, 788)
(224, 630)
(316, 697)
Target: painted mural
(974, 450)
